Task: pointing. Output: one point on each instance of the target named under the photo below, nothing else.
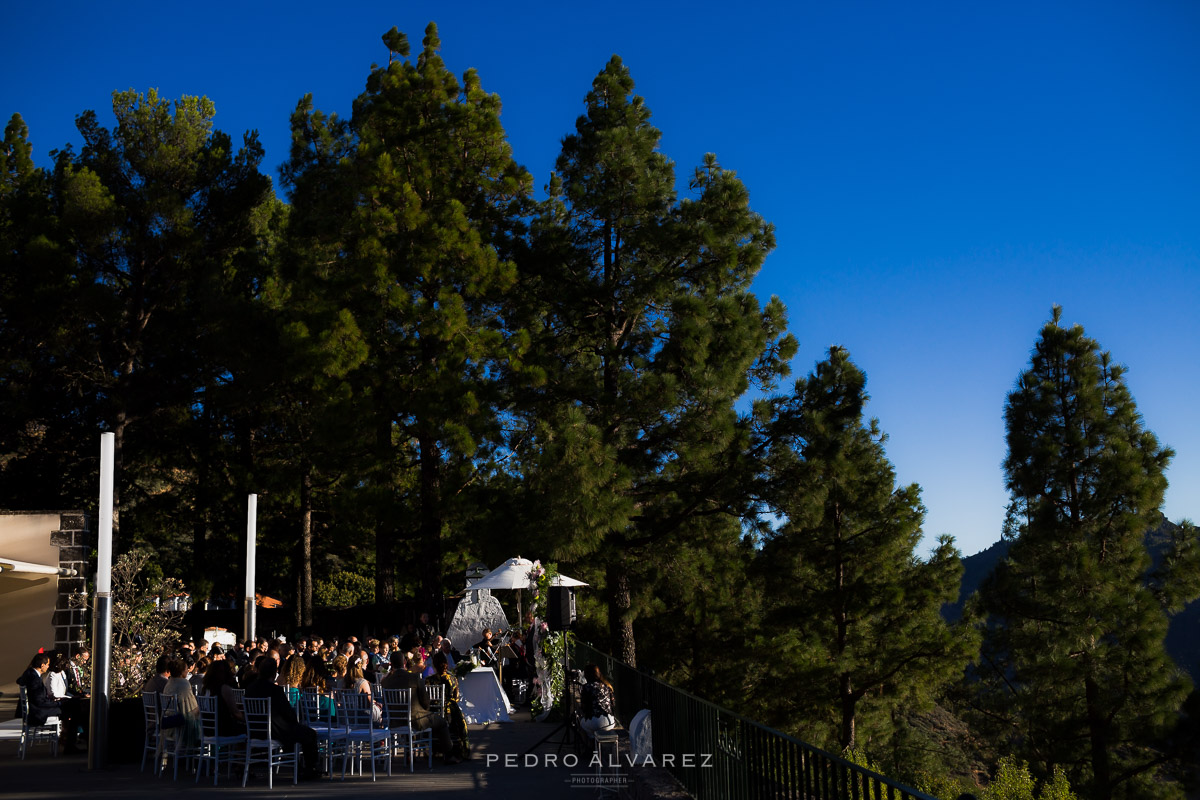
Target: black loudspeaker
(560, 615)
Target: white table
(482, 698)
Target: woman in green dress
(454, 716)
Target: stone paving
(498, 768)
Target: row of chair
(345, 726)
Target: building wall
(34, 609)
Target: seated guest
(293, 672)
(219, 682)
(197, 678)
(597, 700)
(486, 649)
(41, 706)
(455, 721)
(158, 681)
(285, 728)
(77, 677)
(422, 717)
(354, 679)
(55, 678)
(450, 652)
(179, 687)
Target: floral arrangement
(540, 576)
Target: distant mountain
(1183, 632)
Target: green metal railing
(717, 754)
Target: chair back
(315, 712)
(23, 705)
(354, 710)
(258, 717)
(208, 715)
(150, 709)
(397, 706)
(168, 704)
(437, 697)
(238, 694)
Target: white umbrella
(512, 574)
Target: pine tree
(1074, 660)
(425, 200)
(647, 334)
(853, 614)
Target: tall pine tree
(648, 333)
(1074, 661)
(426, 199)
(852, 614)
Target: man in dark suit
(42, 706)
(401, 678)
(285, 728)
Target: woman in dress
(55, 679)
(219, 682)
(180, 688)
(454, 716)
(597, 701)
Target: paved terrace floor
(41, 776)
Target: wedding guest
(597, 701)
(455, 720)
(41, 706)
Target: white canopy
(512, 574)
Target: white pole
(104, 549)
(102, 613)
(251, 534)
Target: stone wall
(74, 541)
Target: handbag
(174, 721)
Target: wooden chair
(258, 738)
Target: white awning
(12, 565)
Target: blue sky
(939, 174)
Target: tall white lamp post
(102, 613)
(251, 533)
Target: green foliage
(1013, 781)
(143, 625)
(1074, 669)
(344, 590)
(643, 335)
(851, 611)
(554, 645)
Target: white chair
(258, 738)
(437, 698)
(32, 734)
(397, 704)
(151, 712)
(363, 736)
(316, 711)
(175, 744)
(214, 745)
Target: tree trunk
(304, 597)
(1098, 735)
(385, 540)
(846, 693)
(620, 613)
(430, 534)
